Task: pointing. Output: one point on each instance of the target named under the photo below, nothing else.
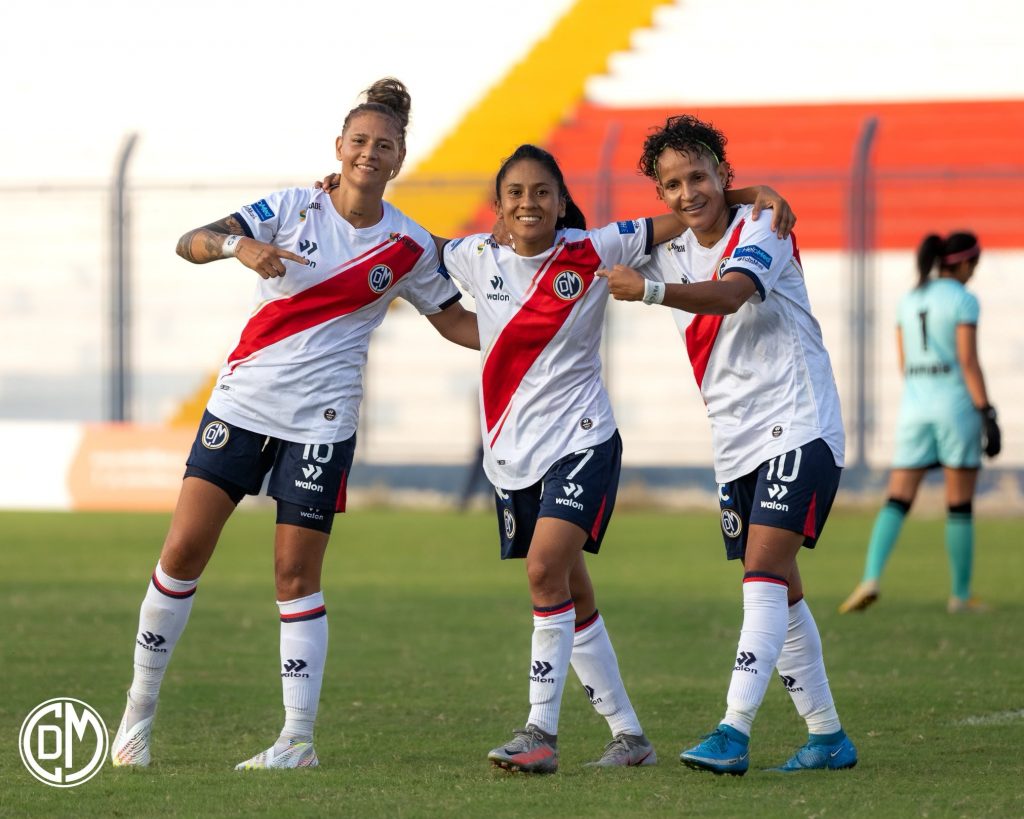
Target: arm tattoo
(212, 238)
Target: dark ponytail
(574, 217)
(928, 253)
(389, 97)
(947, 253)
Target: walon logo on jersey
(215, 435)
(63, 742)
(151, 642)
(497, 283)
(307, 247)
(380, 278)
(744, 661)
(293, 668)
(541, 668)
(568, 285)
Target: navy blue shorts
(792, 491)
(579, 488)
(310, 476)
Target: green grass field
(427, 670)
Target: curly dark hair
(688, 135)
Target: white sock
(593, 659)
(802, 669)
(549, 663)
(303, 655)
(162, 619)
(765, 619)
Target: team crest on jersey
(215, 435)
(722, 265)
(732, 525)
(568, 285)
(380, 278)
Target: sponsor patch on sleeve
(260, 209)
(628, 226)
(755, 254)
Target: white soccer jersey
(296, 373)
(763, 371)
(540, 320)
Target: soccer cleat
(626, 751)
(833, 752)
(957, 605)
(723, 751)
(863, 596)
(130, 747)
(531, 750)
(297, 754)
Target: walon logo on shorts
(63, 742)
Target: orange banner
(124, 467)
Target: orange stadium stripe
(940, 165)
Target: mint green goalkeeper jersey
(934, 385)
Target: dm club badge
(63, 742)
(568, 285)
(380, 278)
(215, 435)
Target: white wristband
(230, 246)
(654, 292)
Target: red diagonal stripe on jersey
(345, 292)
(532, 328)
(703, 330)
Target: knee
(182, 558)
(293, 580)
(545, 576)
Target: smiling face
(371, 151)
(530, 205)
(692, 184)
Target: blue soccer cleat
(724, 751)
(831, 752)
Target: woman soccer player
(551, 446)
(944, 414)
(740, 302)
(286, 403)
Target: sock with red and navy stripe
(594, 661)
(303, 655)
(549, 662)
(162, 618)
(765, 620)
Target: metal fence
(100, 320)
